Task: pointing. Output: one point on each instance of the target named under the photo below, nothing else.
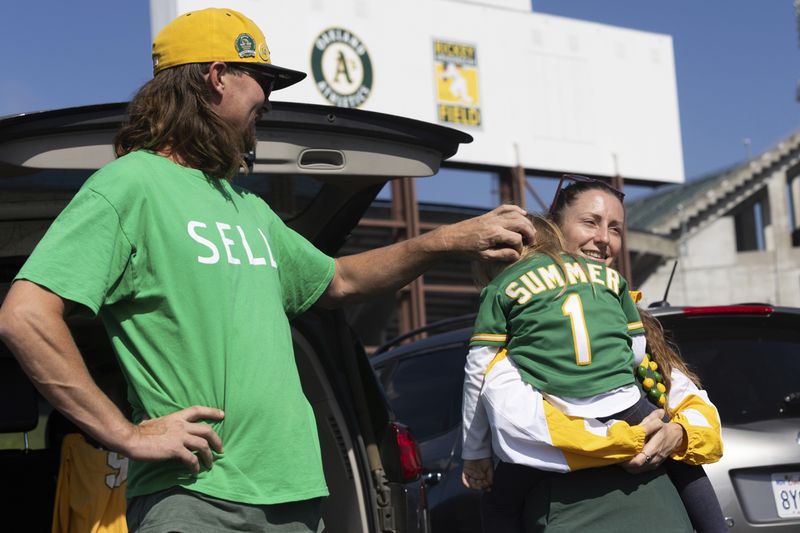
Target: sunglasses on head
(576, 178)
(266, 81)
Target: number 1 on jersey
(573, 308)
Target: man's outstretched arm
(495, 236)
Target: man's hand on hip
(177, 436)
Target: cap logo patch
(263, 52)
(245, 45)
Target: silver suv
(747, 356)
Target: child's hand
(478, 474)
(653, 422)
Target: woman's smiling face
(592, 225)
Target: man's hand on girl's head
(497, 235)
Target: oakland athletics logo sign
(341, 67)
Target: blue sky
(737, 63)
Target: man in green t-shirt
(196, 280)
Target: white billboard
(546, 92)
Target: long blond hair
(548, 239)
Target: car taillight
(410, 461)
(728, 310)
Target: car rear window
(287, 194)
(748, 366)
(424, 390)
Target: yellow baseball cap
(217, 34)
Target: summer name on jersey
(550, 278)
(568, 329)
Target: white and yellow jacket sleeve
(504, 415)
(693, 410)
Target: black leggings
(691, 481)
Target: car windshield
(747, 369)
(424, 391)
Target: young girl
(568, 329)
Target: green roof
(650, 211)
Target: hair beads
(652, 381)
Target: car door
(424, 386)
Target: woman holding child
(550, 389)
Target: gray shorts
(178, 510)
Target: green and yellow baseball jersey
(90, 494)
(569, 331)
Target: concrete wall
(711, 272)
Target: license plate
(786, 488)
